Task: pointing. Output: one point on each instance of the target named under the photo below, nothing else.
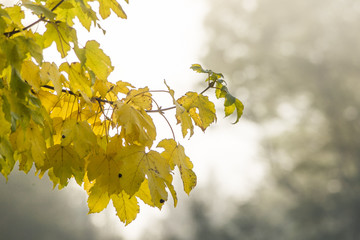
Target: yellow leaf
(144, 193)
(31, 74)
(80, 134)
(106, 5)
(65, 163)
(30, 142)
(136, 165)
(6, 157)
(175, 154)
(98, 199)
(97, 61)
(201, 110)
(122, 87)
(77, 77)
(137, 126)
(70, 9)
(126, 207)
(62, 34)
(172, 191)
(48, 100)
(16, 15)
(182, 116)
(140, 99)
(105, 167)
(4, 123)
(50, 72)
(101, 87)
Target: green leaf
(39, 10)
(239, 109)
(18, 86)
(198, 68)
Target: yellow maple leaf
(126, 207)
(144, 193)
(65, 163)
(137, 126)
(80, 134)
(31, 74)
(98, 199)
(104, 167)
(48, 100)
(101, 87)
(138, 164)
(139, 98)
(7, 161)
(106, 5)
(77, 78)
(5, 124)
(184, 118)
(175, 154)
(50, 72)
(30, 143)
(122, 87)
(60, 33)
(201, 110)
(96, 60)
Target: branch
(9, 34)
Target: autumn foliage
(69, 121)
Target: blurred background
(288, 170)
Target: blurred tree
(31, 210)
(296, 65)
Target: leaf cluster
(69, 121)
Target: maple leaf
(126, 207)
(199, 108)
(50, 72)
(80, 134)
(77, 78)
(139, 98)
(231, 103)
(137, 126)
(60, 33)
(175, 154)
(31, 74)
(95, 59)
(39, 9)
(144, 193)
(6, 157)
(64, 163)
(138, 164)
(106, 5)
(98, 199)
(30, 143)
(104, 166)
(5, 123)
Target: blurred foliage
(23, 200)
(296, 65)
